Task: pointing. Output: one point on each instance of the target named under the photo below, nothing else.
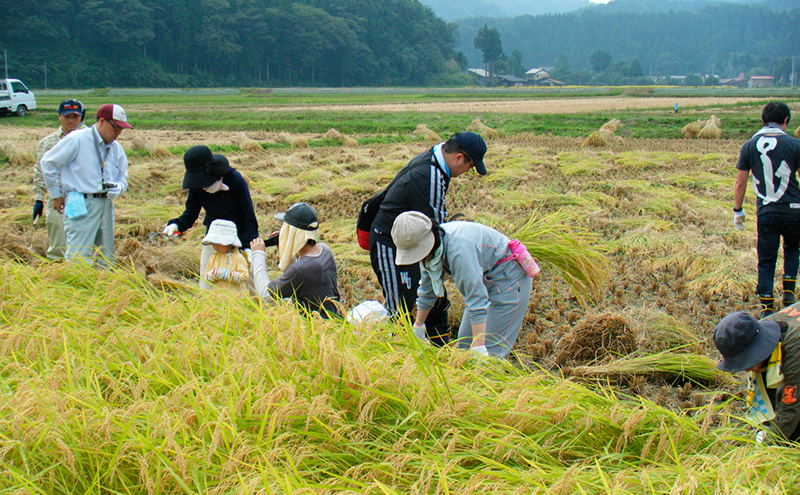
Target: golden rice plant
(571, 251)
(111, 385)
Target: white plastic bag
(367, 311)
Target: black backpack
(366, 215)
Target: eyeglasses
(468, 159)
(114, 126)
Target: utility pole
(792, 76)
(45, 76)
(5, 58)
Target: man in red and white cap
(83, 174)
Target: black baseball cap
(300, 215)
(744, 341)
(70, 106)
(474, 146)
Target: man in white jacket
(84, 173)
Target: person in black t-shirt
(773, 158)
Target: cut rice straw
(569, 250)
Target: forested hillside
(101, 43)
(722, 38)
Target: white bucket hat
(412, 235)
(222, 232)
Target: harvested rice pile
(595, 338)
(425, 133)
(703, 129)
(293, 141)
(484, 130)
(345, 141)
(604, 136)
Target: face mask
(217, 186)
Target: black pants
(399, 285)
(771, 227)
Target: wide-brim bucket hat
(223, 232)
(203, 168)
(744, 341)
(411, 233)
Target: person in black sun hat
(222, 192)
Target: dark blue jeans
(771, 227)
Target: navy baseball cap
(70, 106)
(744, 341)
(474, 146)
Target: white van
(15, 97)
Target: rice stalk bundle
(596, 338)
(657, 331)
(598, 139)
(294, 141)
(555, 244)
(696, 368)
(797, 132)
(484, 130)
(710, 131)
(250, 146)
(715, 120)
(692, 129)
(345, 141)
(116, 386)
(425, 133)
(612, 125)
(332, 133)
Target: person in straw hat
(480, 260)
(226, 268)
(222, 192)
(769, 350)
(309, 269)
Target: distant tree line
(596, 47)
(192, 43)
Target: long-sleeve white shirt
(83, 161)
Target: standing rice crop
(112, 386)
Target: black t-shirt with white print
(773, 158)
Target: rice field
(132, 381)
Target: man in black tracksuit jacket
(420, 186)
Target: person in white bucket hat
(227, 268)
(481, 261)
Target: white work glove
(114, 189)
(480, 350)
(738, 219)
(760, 436)
(419, 332)
(171, 229)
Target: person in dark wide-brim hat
(222, 192)
(769, 350)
